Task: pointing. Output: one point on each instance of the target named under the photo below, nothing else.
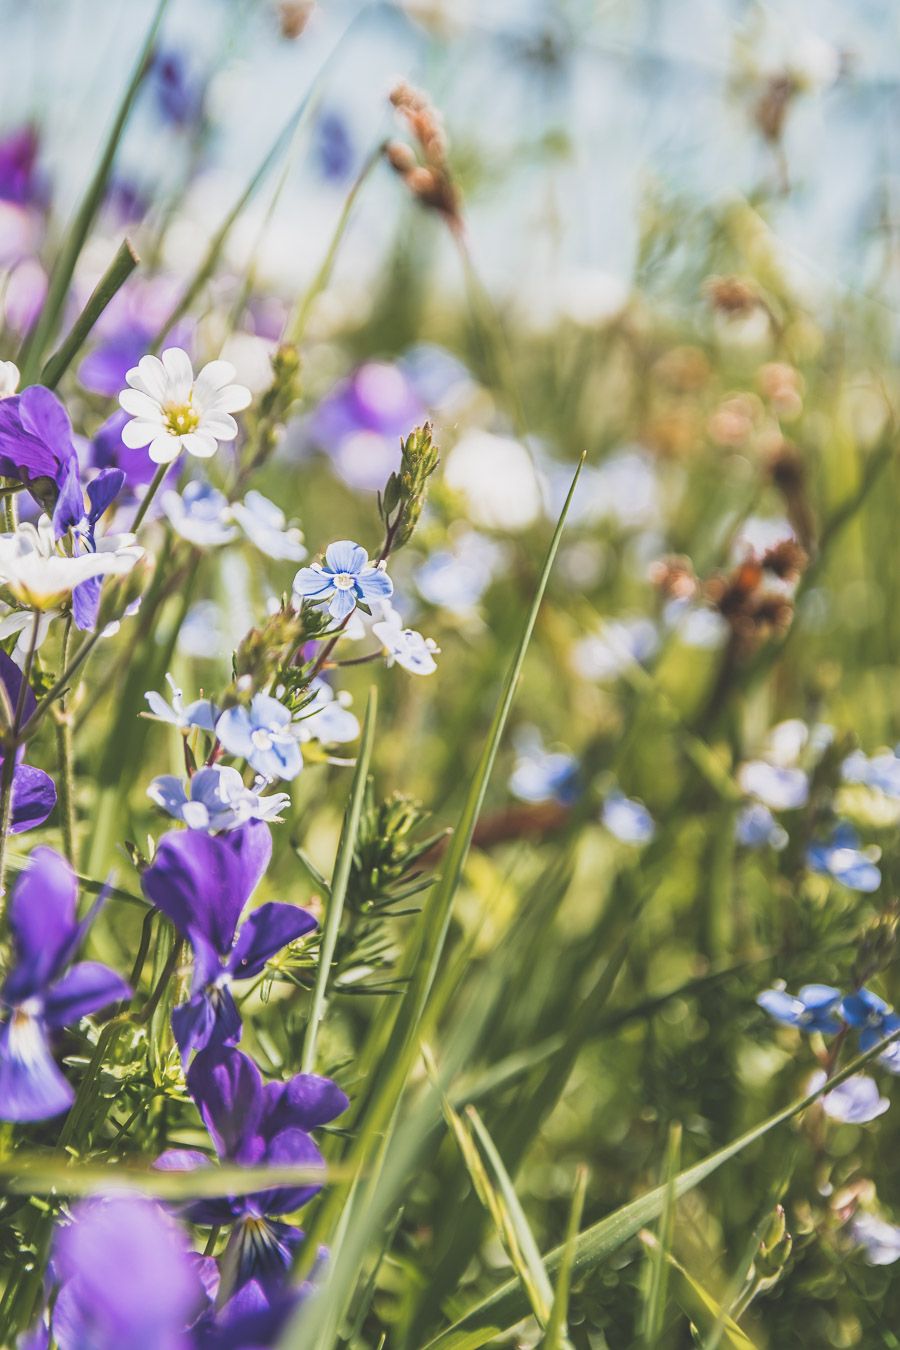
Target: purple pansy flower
(874, 1018)
(33, 791)
(19, 180)
(43, 990)
(344, 580)
(815, 1008)
(35, 439)
(127, 1278)
(202, 883)
(253, 1125)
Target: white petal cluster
(40, 574)
(171, 410)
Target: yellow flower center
(180, 418)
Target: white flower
(497, 478)
(405, 646)
(9, 378)
(264, 525)
(41, 575)
(173, 411)
(21, 621)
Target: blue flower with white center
(815, 1008)
(627, 819)
(842, 859)
(456, 580)
(345, 580)
(756, 827)
(541, 775)
(778, 787)
(874, 1018)
(201, 713)
(265, 525)
(214, 799)
(200, 514)
(404, 646)
(856, 1101)
(326, 717)
(262, 735)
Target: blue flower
(841, 859)
(202, 883)
(856, 1101)
(44, 990)
(265, 525)
(879, 1240)
(778, 787)
(627, 819)
(880, 771)
(343, 581)
(214, 799)
(262, 735)
(201, 713)
(875, 1018)
(541, 775)
(200, 514)
(815, 1008)
(404, 646)
(756, 827)
(457, 580)
(326, 717)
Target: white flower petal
(140, 405)
(149, 377)
(213, 377)
(233, 398)
(139, 433)
(180, 374)
(219, 424)
(165, 448)
(200, 443)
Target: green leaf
(556, 1327)
(659, 1252)
(115, 276)
(343, 864)
(697, 1302)
(500, 1311)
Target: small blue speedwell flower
(201, 713)
(856, 1101)
(265, 525)
(756, 827)
(345, 580)
(842, 858)
(627, 819)
(200, 514)
(874, 1018)
(262, 735)
(404, 646)
(214, 799)
(815, 1008)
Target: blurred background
(678, 253)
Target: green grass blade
(45, 1174)
(115, 276)
(343, 864)
(505, 1307)
(696, 1301)
(61, 276)
(554, 1337)
(515, 1230)
(659, 1252)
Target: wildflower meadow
(449, 690)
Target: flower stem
(9, 757)
(148, 497)
(66, 767)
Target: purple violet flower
(33, 791)
(19, 179)
(253, 1125)
(43, 990)
(202, 883)
(36, 440)
(127, 1278)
